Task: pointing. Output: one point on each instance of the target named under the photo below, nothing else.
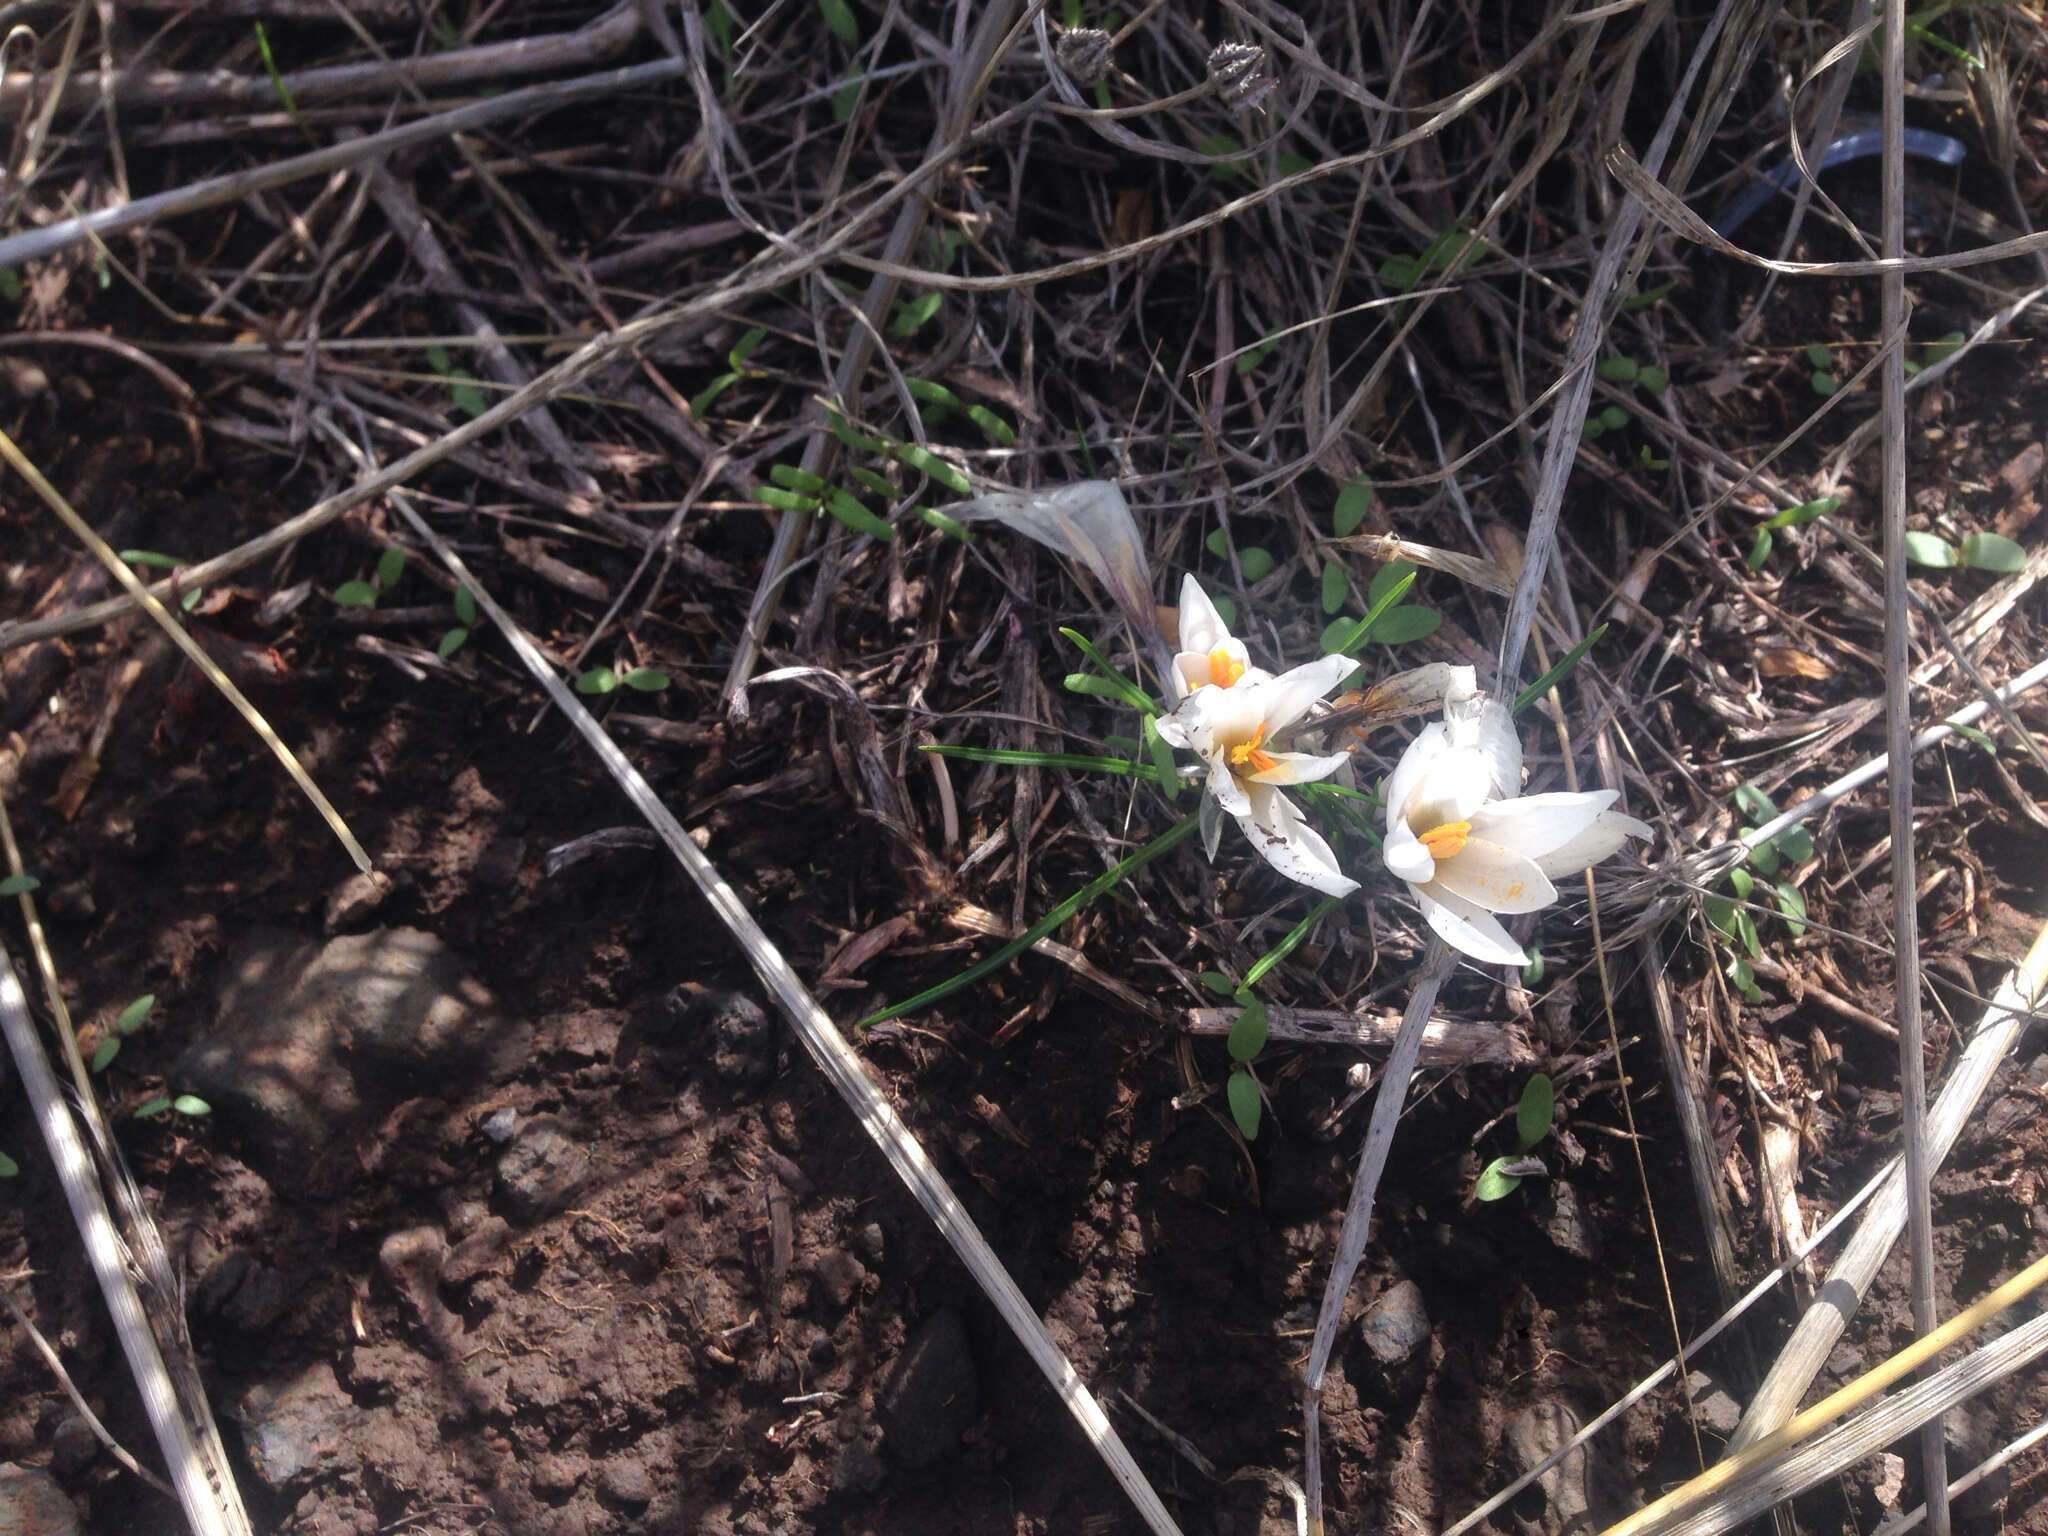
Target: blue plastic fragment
(1922, 143)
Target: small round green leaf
(103, 1058)
(1824, 384)
(1614, 418)
(1619, 370)
(1652, 378)
(1931, 550)
(356, 594)
(1754, 803)
(1245, 1107)
(451, 642)
(1217, 544)
(1218, 983)
(1796, 844)
(1533, 1114)
(1248, 1034)
(1226, 609)
(1792, 903)
(645, 680)
(465, 606)
(597, 680)
(191, 1104)
(390, 566)
(1403, 625)
(1353, 502)
(1494, 1184)
(1742, 883)
(1256, 563)
(1993, 552)
(132, 1016)
(1818, 356)
(1336, 586)
(18, 885)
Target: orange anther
(1446, 841)
(1246, 755)
(1224, 668)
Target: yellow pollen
(1448, 840)
(1224, 669)
(1246, 755)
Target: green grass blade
(1127, 690)
(1348, 643)
(1015, 757)
(1291, 943)
(1555, 675)
(1160, 846)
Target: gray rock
(623, 1484)
(73, 1447)
(500, 1125)
(411, 1260)
(729, 1027)
(31, 1504)
(316, 1043)
(1713, 1404)
(541, 1170)
(933, 1394)
(1534, 1434)
(297, 1429)
(1565, 1223)
(1396, 1325)
(869, 1239)
(839, 1278)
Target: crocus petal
(1173, 730)
(1607, 833)
(1291, 845)
(1212, 826)
(1485, 726)
(1425, 749)
(1299, 767)
(1405, 856)
(1201, 627)
(1452, 788)
(1286, 698)
(1536, 824)
(1224, 788)
(1475, 931)
(1496, 878)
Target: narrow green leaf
(191, 1104)
(1248, 1034)
(10, 285)
(598, 680)
(465, 605)
(646, 680)
(912, 315)
(132, 1016)
(1976, 738)
(439, 360)
(1993, 552)
(993, 427)
(452, 642)
(1805, 512)
(1245, 1106)
(859, 442)
(1017, 757)
(356, 594)
(1131, 693)
(1930, 550)
(1744, 978)
(792, 478)
(705, 398)
(1353, 503)
(869, 480)
(786, 501)
(1163, 770)
(840, 18)
(1387, 577)
(842, 505)
(1557, 674)
(1094, 687)
(1160, 846)
(930, 392)
(1533, 1115)
(18, 885)
(191, 599)
(155, 1106)
(467, 397)
(8, 1166)
(150, 557)
(1220, 145)
(1336, 586)
(1494, 1184)
(1649, 296)
(103, 1056)
(1382, 604)
(945, 524)
(743, 349)
(1746, 935)
(390, 566)
(1288, 945)
(931, 464)
(1760, 551)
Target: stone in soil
(1713, 1404)
(933, 1394)
(73, 1447)
(1395, 1326)
(737, 1038)
(1564, 1222)
(623, 1484)
(315, 1044)
(541, 1171)
(1531, 1436)
(295, 1430)
(31, 1504)
(839, 1277)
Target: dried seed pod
(1084, 54)
(1238, 72)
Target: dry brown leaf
(1788, 661)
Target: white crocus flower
(1209, 656)
(1229, 726)
(1473, 850)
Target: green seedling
(1822, 363)
(736, 369)
(365, 594)
(1254, 562)
(1791, 517)
(1533, 1115)
(841, 21)
(1446, 253)
(461, 382)
(465, 621)
(1387, 621)
(1936, 351)
(603, 680)
(189, 599)
(19, 885)
(1252, 359)
(1731, 917)
(189, 1105)
(129, 1020)
(1978, 552)
(1220, 146)
(8, 1166)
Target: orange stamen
(1224, 668)
(1448, 840)
(1246, 755)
